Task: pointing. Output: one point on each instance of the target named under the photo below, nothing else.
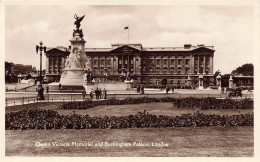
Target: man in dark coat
(105, 93)
(84, 94)
(91, 94)
(97, 93)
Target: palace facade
(155, 65)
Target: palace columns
(52, 64)
(58, 65)
(116, 64)
(191, 64)
(138, 64)
(128, 67)
(198, 64)
(134, 64)
(176, 64)
(211, 64)
(63, 62)
(204, 65)
(169, 64)
(47, 65)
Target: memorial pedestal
(109, 86)
(73, 73)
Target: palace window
(187, 62)
(102, 63)
(158, 62)
(151, 62)
(201, 70)
(172, 62)
(109, 62)
(186, 70)
(120, 61)
(165, 62)
(179, 62)
(196, 61)
(207, 62)
(144, 61)
(201, 60)
(60, 64)
(95, 62)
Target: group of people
(99, 93)
(140, 89)
(49, 119)
(191, 102)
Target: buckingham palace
(148, 65)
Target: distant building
(247, 81)
(238, 80)
(163, 65)
(55, 62)
(17, 69)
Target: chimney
(187, 46)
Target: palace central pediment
(203, 49)
(126, 49)
(57, 52)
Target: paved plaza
(20, 98)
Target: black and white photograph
(129, 80)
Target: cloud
(228, 28)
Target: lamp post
(40, 88)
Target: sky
(228, 28)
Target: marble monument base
(109, 86)
(72, 79)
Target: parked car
(234, 92)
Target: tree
(8, 71)
(215, 77)
(246, 70)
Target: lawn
(182, 142)
(204, 141)
(165, 108)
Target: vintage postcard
(130, 79)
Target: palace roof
(186, 47)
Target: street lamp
(40, 89)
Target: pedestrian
(100, 93)
(105, 93)
(97, 93)
(47, 89)
(60, 87)
(167, 89)
(172, 89)
(142, 89)
(138, 88)
(91, 94)
(84, 94)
